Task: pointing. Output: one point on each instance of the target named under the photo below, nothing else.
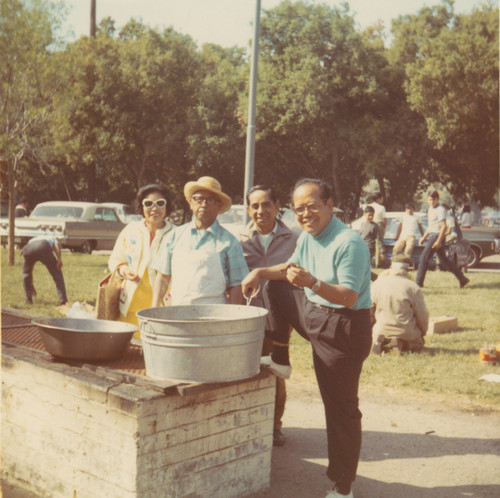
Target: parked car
(458, 250)
(79, 226)
(484, 241)
(234, 219)
(125, 213)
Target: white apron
(197, 278)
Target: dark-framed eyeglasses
(159, 203)
(198, 199)
(312, 208)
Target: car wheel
(86, 247)
(473, 257)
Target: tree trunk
(337, 190)
(12, 207)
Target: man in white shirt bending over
(434, 242)
(407, 232)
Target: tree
(28, 80)
(452, 82)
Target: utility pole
(91, 169)
(250, 147)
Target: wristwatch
(316, 286)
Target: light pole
(250, 147)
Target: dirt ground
(411, 448)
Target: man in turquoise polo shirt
(323, 292)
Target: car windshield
(57, 212)
(234, 215)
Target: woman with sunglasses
(135, 249)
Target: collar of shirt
(213, 229)
(329, 231)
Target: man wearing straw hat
(202, 260)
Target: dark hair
(466, 209)
(325, 190)
(445, 206)
(369, 209)
(377, 195)
(409, 205)
(23, 200)
(265, 188)
(434, 194)
(149, 189)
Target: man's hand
(437, 244)
(250, 284)
(59, 264)
(299, 277)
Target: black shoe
(278, 438)
(464, 282)
(62, 303)
(382, 345)
(28, 300)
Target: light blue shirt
(339, 256)
(214, 239)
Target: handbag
(108, 296)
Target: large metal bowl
(85, 339)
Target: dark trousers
(341, 341)
(40, 250)
(426, 255)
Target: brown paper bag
(108, 297)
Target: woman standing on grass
(135, 249)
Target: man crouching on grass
(323, 292)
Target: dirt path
(410, 449)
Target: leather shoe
(278, 438)
(29, 300)
(283, 371)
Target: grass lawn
(448, 369)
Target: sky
(227, 22)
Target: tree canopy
(99, 117)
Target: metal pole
(250, 147)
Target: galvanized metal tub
(85, 339)
(202, 343)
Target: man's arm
(251, 282)
(441, 236)
(160, 288)
(420, 228)
(57, 251)
(235, 295)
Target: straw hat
(212, 185)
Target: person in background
(267, 241)
(323, 292)
(467, 218)
(398, 310)
(406, 237)
(451, 233)
(135, 248)
(203, 260)
(380, 219)
(370, 233)
(22, 209)
(47, 250)
(434, 238)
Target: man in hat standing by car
(267, 241)
(202, 260)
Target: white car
(125, 212)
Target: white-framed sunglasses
(148, 203)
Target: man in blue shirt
(204, 260)
(323, 292)
(43, 249)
